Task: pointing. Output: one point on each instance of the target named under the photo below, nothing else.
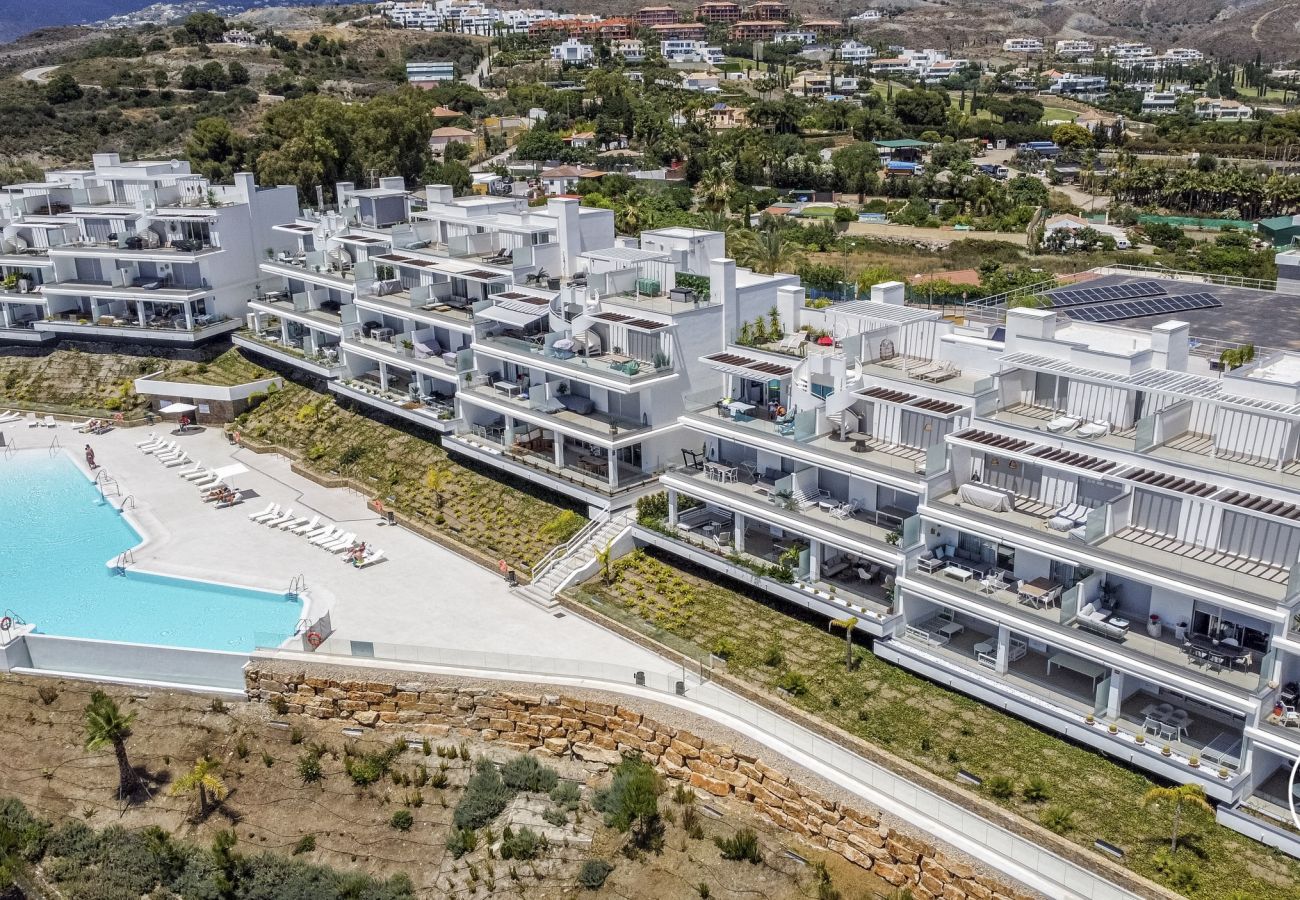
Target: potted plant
(1223, 772)
(1166, 750)
(1194, 761)
(1140, 738)
(1153, 626)
(1113, 728)
(407, 346)
(1090, 718)
(893, 538)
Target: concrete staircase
(574, 560)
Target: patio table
(859, 439)
(985, 647)
(737, 407)
(720, 471)
(509, 388)
(958, 573)
(951, 629)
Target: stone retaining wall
(561, 725)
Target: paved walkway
(423, 594)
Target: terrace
(530, 407)
(298, 310)
(536, 458)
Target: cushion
(1087, 610)
(1060, 523)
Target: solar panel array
(1129, 290)
(1146, 306)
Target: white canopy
(230, 471)
(175, 409)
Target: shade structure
(230, 471)
(176, 409)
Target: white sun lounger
(207, 481)
(169, 455)
(32, 421)
(322, 531)
(49, 422)
(166, 447)
(303, 529)
(193, 467)
(269, 508)
(1062, 423)
(278, 519)
(342, 543)
(153, 436)
(151, 446)
(332, 534)
(198, 476)
(289, 523)
(177, 461)
(1093, 429)
(370, 559)
(7, 416)
(267, 516)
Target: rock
(367, 718)
(556, 746)
(592, 753)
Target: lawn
(770, 644)
(228, 369)
(479, 510)
(1055, 113)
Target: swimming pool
(56, 536)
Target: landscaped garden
(412, 475)
(1068, 789)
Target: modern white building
(1083, 524)
(430, 74)
(1071, 224)
(803, 38)
(855, 53)
(573, 52)
(1022, 45)
(678, 51)
(142, 251)
(1221, 110)
(1159, 103)
(1075, 48)
(630, 49)
(1184, 55)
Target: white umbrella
(176, 409)
(230, 471)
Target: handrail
(297, 585)
(128, 502)
(54, 446)
(555, 554)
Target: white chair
(177, 461)
(269, 508)
(304, 528)
(370, 559)
(196, 477)
(277, 520)
(289, 523)
(153, 436)
(330, 534)
(340, 543)
(270, 514)
(207, 481)
(194, 467)
(32, 421)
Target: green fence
(1191, 222)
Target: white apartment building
(1022, 45)
(582, 389)
(1159, 103)
(1183, 55)
(803, 38)
(464, 17)
(573, 52)
(870, 15)
(142, 251)
(1131, 54)
(1221, 110)
(1083, 524)
(855, 53)
(1075, 48)
(691, 52)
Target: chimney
(565, 210)
(1034, 324)
(438, 193)
(891, 292)
(1170, 345)
(789, 300)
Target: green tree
(1069, 136)
(632, 802)
(237, 72)
(214, 150)
(202, 28)
(204, 781)
(921, 107)
(107, 726)
(1183, 795)
(63, 88)
(768, 250)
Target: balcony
(270, 343)
(436, 413)
(616, 368)
(879, 456)
(146, 290)
(870, 527)
(393, 353)
(1165, 651)
(170, 331)
(595, 424)
(1138, 551)
(456, 315)
(184, 248)
(330, 322)
(297, 267)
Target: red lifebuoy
(315, 639)
(6, 623)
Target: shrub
(522, 844)
(402, 820)
(566, 794)
(1035, 790)
(564, 525)
(525, 773)
(486, 794)
(1000, 786)
(743, 846)
(632, 802)
(556, 815)
(350, 455)
(1178, 874)
(306, 844)
(367, 768)
(462, 841)
(723, 648)
(1057, 818)
(793, 683)
(773, 658)
(47, 693)
(593, 874)
(309, 768)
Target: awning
(509, 315)
(176, 409)
(230, 471)
(747, 367)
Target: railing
(555, 554)
(128, 503)
(297, 586)
(124, 559)
(54, 447)
(1258, 284)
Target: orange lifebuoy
(315, 639)
(780, 410)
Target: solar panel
(1102, 293)
(1143, 306)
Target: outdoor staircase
(565, 563)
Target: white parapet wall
(148, 386)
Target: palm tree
(714, 189)
(203, 780)
(768, 251)
(1184, 794)
(606, 559)
(107, 726)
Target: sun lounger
(198, 476)
(320, 531)
(207, 481)
(1093, 429)
(235, 501)
(32, 421)
(168, 456)
(370, 559)
(279, 519)
(269, 514)
(269, 508)
(342, 543)
(289, 523)
(331, 534)
(49, 422)
(155, 449)
(177, 461)
(192, 467)
(153, 445)
(153, 436)
(304, 529)
(1062, 424)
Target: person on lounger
(357, 554)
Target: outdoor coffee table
(860, 439)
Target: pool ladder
(105, 483)
(54, 447)
(128, 503)
(297, 585)
(125, 558)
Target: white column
(189, 316)
(383, 377)
(4, 315)
(508, 436)
(1116, 694)
(672, 508)
(559, 448)
(814, 561)
(738, 531)
(612, 465)
(1004, 641)
(139, 312)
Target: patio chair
(845, 510)
(692, 459)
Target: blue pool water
(56, 536)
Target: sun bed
(1093, 429)
(155, 449)
(370, 559)
(303, 529)
(177, 461)
(270, 514)
(1062, 424)
(168, 456)
(49, 422)
(270, 507)
(192, 468)
(323, 530)
(206, 481)
(153, 436)
(32, 421)
(340, 543)
(235, 501)
(289, 523)
(277, 520)
(331, 534)
(200, 475)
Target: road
(40, 74)
(475, 78)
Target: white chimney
(1169, 342)
(565, 210)
(892, 292)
